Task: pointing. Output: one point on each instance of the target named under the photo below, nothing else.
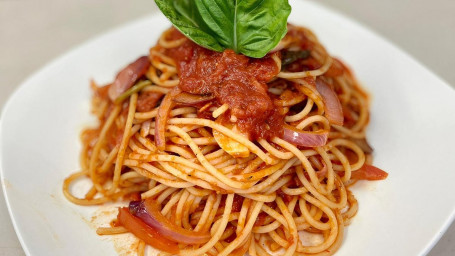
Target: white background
(34, 32)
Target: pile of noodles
(258, 203)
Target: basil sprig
(249, 27)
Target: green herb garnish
(135, 88)
(291, 56)
(249, 27)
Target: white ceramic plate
(412, 130)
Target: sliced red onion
(128, 76)
(146, 233)
(305, 139)
(192, 99)
(333, 109)
(320, 173)
(149, 213)
(162, 116)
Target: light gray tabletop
(33, 33)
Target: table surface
(32, 33)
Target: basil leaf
(188, 10)
(261, 25)
(185, 17)
(250, 27)
(220, 17)
(289, 57)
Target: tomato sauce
(147, 101)
(235, 80)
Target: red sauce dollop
(233, 79)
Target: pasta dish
(218, 153)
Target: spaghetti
(221, 154)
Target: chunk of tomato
(369, 172)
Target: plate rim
(24, 84)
